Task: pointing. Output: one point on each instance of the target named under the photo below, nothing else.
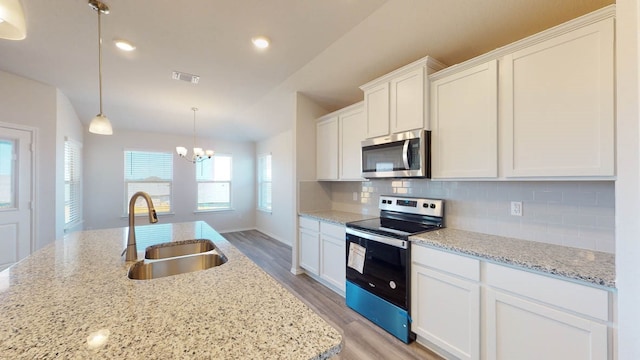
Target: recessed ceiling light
(124, 45)
(260, 42)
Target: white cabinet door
(557, 103)
(333, 255)
(310, 250)
(327, 149)
(445, 301)
(524, 330)
(407, 104)
(352, 131)
(447, 312)
(376, 105)
(464, 123)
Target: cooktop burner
(383, 226)
(401, 217)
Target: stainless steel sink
(147, 270)
(178, 248)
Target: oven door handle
(382, 239)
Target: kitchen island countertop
(52, 302)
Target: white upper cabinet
(407, 105)
(327, 149)
(542, 107)
(376, 101)
(397, 102)
(557, 105)
(339, 135)
(464, 123)
(352, 131)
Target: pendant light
(100, 124)
(12, 24)
(198, 154)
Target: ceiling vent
(177, 75)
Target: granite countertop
(336, 217)
(588, 266)
(54, 302)
(592, 267)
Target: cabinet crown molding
(427, 61)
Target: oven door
(379, 265)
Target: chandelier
(198, 154)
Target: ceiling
(324, 49)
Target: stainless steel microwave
(396, 156)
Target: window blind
(151, 172)
(264, 182)
(72, 183)
(214, 183)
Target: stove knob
(425, 205)
(433, 206)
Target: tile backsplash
(576, 213)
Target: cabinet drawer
(333, 230)
(440, 260)
(309, 223)
(582, 299)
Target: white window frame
(72, 180)
(212, 180)
(158, 204)
(265, 177)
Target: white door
(15, 195)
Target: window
(7, 163)
(72, 183)
(264, 182)
(214, 183)
(151, 172)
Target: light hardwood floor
(362, 339)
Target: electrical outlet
(516, 208)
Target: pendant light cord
(100, 59)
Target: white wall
(104, 193)
(31, 103)
(67, 126)
(278, 223)
(628, 183)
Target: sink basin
(178, 248)
(147, 270)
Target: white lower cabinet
(322, 252)
(309, 236)
(445, 298)
(530, 316)
(465, 308)
(333, 254)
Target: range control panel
(420, 206)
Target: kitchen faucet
(132, 253)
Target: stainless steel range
(378, 260)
